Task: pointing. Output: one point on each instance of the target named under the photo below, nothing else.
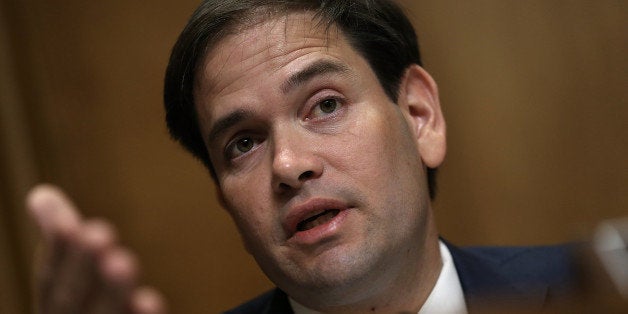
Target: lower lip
(320, 232)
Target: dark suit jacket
(505, 276)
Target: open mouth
(318, 219)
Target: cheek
(377, 145)
(381, 156)
(249, 210)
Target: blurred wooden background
(534, 93)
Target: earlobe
(419, 101)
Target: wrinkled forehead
(262, 37)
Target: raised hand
(81, 267)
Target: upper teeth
(312, 221)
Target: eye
(325, 107)
(244, 144)
(240, 146)
(328, 105)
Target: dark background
(534, 93)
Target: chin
(333, 278)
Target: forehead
(269, 44)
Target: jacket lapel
(485, 282)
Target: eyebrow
(317, 68)
(223, 124)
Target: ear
(418, 100)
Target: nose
(294, 162)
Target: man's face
(320, 170)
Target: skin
(333, 136)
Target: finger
(53, 212)
(58, 221)
(117, 277)
(69, 289)
(119, 267)
(147, 300)
(75, 281)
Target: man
(322, 132)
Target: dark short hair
(377, 29)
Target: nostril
(306, 175)
(284, 186)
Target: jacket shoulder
(552, 265)
(528, 274)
